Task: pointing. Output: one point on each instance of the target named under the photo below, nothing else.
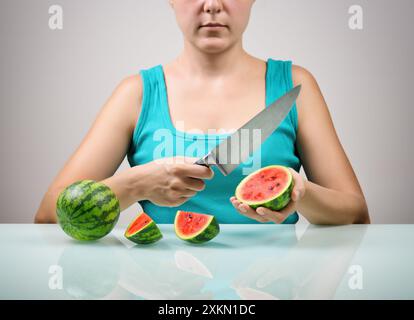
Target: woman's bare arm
(102, 150)
(333, 194)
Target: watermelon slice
(195, 227)
(269, 187)
(143, 230)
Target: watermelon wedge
(143, 230)
(269, 187)
(195, 227)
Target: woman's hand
(172, 181)
(263, 214)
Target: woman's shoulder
(131, 87)
(131, 84)
(310, 103)
(127, 97)
(309, 86)
(301, 75)
(130, 90)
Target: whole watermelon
(87, 210)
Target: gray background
(53, 83)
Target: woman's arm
(332, 193)
(102, 151)
(167, 183)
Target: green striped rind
(87, 210)
(149, 234)
(211, 230)
(276, 203)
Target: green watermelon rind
(277, 202)
(91, 217)
(147, 235)
(210, 231)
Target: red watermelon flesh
(270, 187)
(195, 227)
(143, 230)
(191, 223)
(141, 221)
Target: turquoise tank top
(155, 136)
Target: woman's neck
(195, 64)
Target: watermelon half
(195, 227)
(87, 210)
(269, 187)
(143, 230)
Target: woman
(213, 84)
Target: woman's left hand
(263, 214)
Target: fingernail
(260, 211)
(243, 210)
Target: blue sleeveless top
(155, 136)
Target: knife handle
(203, 161)
(208, 161)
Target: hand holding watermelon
(172, 181)
(269, 194)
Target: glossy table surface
(242, 262)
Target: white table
(242, 262)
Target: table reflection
(264, 264)
(89, 275)
(311, 269)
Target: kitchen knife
(241, 144)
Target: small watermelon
(143, 230)
(195, 227)
(269, 187)
(87, 210)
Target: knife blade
(241, 144)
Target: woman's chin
(213, 45)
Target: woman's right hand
(172, 181)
